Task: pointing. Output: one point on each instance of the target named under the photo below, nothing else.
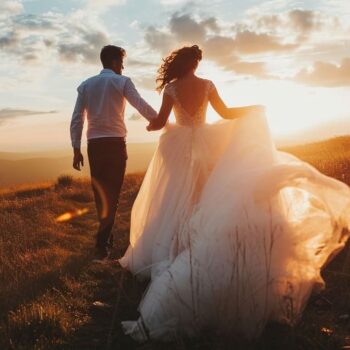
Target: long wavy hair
(177, 65)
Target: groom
(102, 99)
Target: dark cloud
(87, 49)
(9, 39)
(183, 29)
(298, 21)
(211, 24)
(225, 50)
(326, 74)
(11, 113)
(159, 41)
(186, 29)
(303, 20)
(30, 36)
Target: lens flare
(69, 215)
(102, 195)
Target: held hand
(150, 127)
(78, 160)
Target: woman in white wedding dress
(231, 232)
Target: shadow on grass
(53, 279)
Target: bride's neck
(188, 75)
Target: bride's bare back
(190, 99)
(189, 96)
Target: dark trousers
(107, 158)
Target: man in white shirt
(102, 100)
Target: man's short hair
(110, 53)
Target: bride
(231, 232)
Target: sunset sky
(292, 56)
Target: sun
(291, 108)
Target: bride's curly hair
(177, 65)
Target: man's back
(102, 98)
(104, 102)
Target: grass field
(48, 284)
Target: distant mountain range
(20, 168)
(27, 168)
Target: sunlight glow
(71, 215)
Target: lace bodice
(181, 115)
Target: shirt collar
(106, 70)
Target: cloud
(146, 82)
(37, 22)
(173, 2)
(10, 113)
(303, 20)
(102, 6)
(238, 66)
(186, 29)
(158, 40)
(86, 48)
(228, 50)
(139, 63)
(248, 42)
(326, 74)
(77, 37)
(245, 46)
(219, 46)
(9, 39)
(10, 7)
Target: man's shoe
(101, 255)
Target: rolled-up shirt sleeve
(77, 122)
(134, 98)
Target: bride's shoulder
(208, 84)
(168, 89)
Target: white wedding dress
(231, 232)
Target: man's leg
(107, 163)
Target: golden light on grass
(69, 215)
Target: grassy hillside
(17, 168)
(48, 284)
(332, 157)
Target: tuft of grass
(65, 180)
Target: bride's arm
(163, 115)
(230, 112)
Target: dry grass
(48, 283)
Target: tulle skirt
(231, 232)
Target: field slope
(49, 286)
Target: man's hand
(150, 127)
(78, 159)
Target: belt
(104, 139)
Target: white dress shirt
(102, 99)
